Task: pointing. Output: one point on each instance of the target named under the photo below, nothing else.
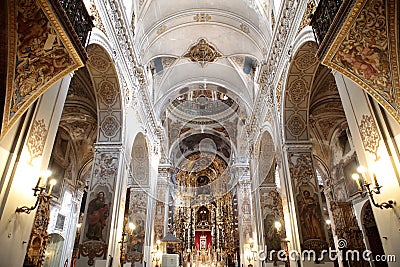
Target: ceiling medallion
(202, 52)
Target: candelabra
(38, 239)
(365, 189)
(157, 254)
(39, 191)
(124, 240)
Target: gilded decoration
(38, 239)
(37, 138)
(202, 17)
(202, 52)
(305, 21)
(97, 20)
(369, 134)
(365, 50)
(93, 249)
(40, 54)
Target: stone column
(307, 227)
(247, 232)
(104, 208)
(162, 198)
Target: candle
(375, 180)
(52, 184)
(38, 182)
(356, 178)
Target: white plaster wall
(15, 228)
(355, 103)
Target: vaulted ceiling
(203, 56)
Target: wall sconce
(365, 189)
(39, 191)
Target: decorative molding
(366, 51)
(37, 139)
(93, 249)
(39, 56)
(369, 135)
(202, 52)
(202, 17)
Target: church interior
(200, 133)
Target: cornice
(278, 54)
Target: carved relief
(298, 91)
(202, 52)
(38, 240)
(369, 134)
(110, 126)
(97, 20)
(109, 99)
(296, 125)
(106, 168)
(296, 101)
(92, 250)
(107, 93)
(98, 62)
(202, 17)
(37, 139)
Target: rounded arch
(108, 94)
(266, 156)
(140, 161)
(297, 93)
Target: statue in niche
(98, 212)
(310, 216)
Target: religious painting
(349, 168)
(310, 215)
(98, 212)
(60, 222)
(272, 237)
(137, 215)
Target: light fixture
(39, 191)
(365, 188)
(278, 226)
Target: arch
(108, 94)
(297, 93)
(140, 161)
(53, 250)
(266, 156)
